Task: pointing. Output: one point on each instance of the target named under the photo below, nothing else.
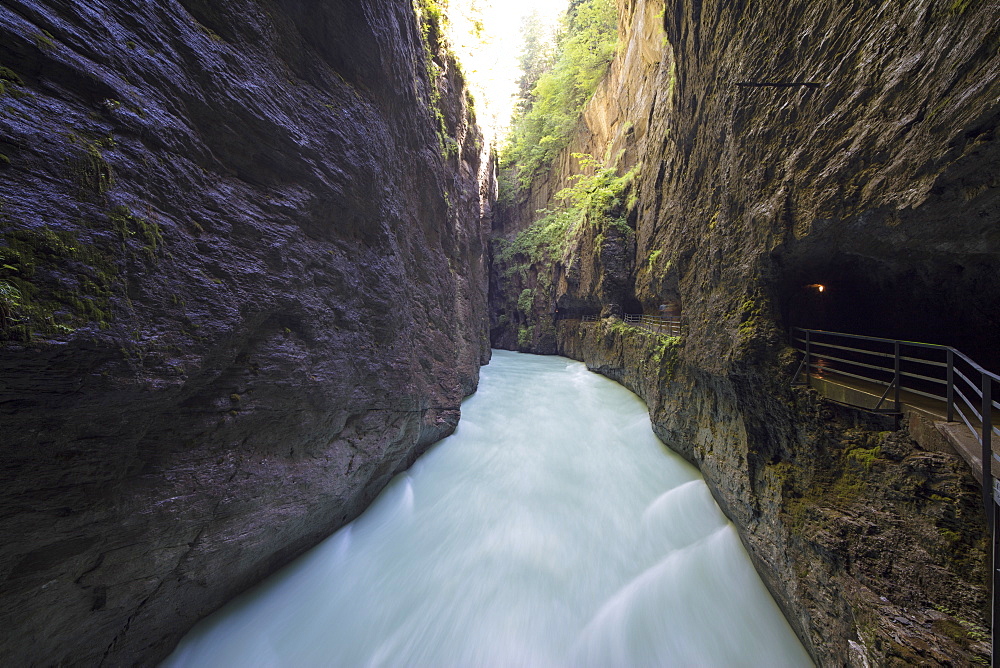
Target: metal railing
(669, 325)
(911, 371)
(935, 372)
(573, 314)
(591, 317)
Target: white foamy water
(552, 529)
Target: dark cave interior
(942, 300)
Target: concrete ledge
(967, 445)
(845, 394)
(950, 437)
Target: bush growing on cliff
(525, 335)
(599, 193)
(526, 300)
(596, 197)
(544, 240)
(546, 119)
(433, 19)
(10, 302)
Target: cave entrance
(631, 305)
(946, 301)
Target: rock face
(878, 179)
(595, 268)
(242, 285)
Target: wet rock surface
(876, 180)
(244, 285)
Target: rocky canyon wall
(242, 283)
(615, 123)
(593, 268)
(777, 147)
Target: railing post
(895, 371)
(808, 361)
(995, 623)
(951, 386)
(987, 433)
(992, 517)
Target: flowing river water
(551, 529)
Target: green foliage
(92, 171)
(432, 22)
(586, 185)
(864, 456)
(550, 112)
(44, 40)
(10, 301)
(211, 34)
(751, 315)
(964, 628)
(662, 351)
(10, 83)
(598, 194)
(54, 281)
(9, 76)
(592, 197)
(526, 262)
(507, 186)
(543, 241)
(665, 354)
(525, 335)
(431, 14)
(535, 59)
(50, 283)
(526, 301)
(130, 226)
(959, 6)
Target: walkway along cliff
(761, 151)
(242, 283)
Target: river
(551, 529)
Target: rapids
(551, 529)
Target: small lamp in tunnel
(817, 287)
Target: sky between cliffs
(489, 56)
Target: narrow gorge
(253, 254)
(735, 156)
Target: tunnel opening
(949, 301)
(630, 304)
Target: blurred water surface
(552, 529)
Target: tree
(546, 118)
(537, 54)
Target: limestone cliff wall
(615, 128)
(879, 182)
(242, 285)
(867, 163)
(615, 123)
